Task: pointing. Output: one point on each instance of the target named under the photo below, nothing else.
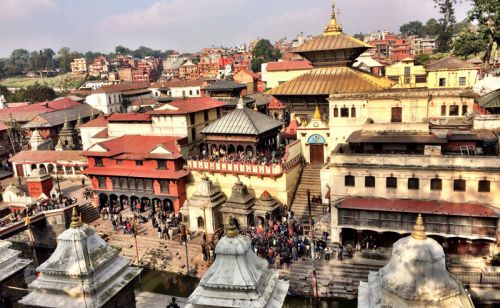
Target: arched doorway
(113, 201)
(145, 204)
(135, 203)
(43, 169)
(156, 205)
(50, 168)
(168, 206)
(200, 222)
(124, 203)
(103, 201)
(316, 149)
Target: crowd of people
(266, 157)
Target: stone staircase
(339, 279)
(89, 213)
(310, 179)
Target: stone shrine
(68, 138)
(415, 276)
(239, 207)
(11, 274)
(238, 277)
(266, 208)
(83, 271)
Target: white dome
(417, 271)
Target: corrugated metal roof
(54, 118)
(331, 42)
(242, 122)
(449, 63)
(233, 101)
(490, 100)
(362, 137)
(224, 85)
(332, 80)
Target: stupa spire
(333, 28)
(419, 229)
(317, 114)
(231, 229)
(76, 220)
(240, 104)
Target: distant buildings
(115, 98)
(79, 66)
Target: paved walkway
(155, 300)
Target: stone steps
(89, 213)
(309, 180)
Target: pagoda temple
(415, 276)
(266, 208)
(332, 55)
(238, 277)
(239, 207)
(83, 271)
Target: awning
(418, 207)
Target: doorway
(316, 154)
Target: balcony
(416, 161)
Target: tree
(4, 91)
(485, 14)
(360, 36)
(122, 50)
(35, 93)
(412, 28)
(447, 24)
(469, 43)
(431, 28)
(18, 62)
(91, 55)
(263, 52)
(63, 59)
(422, 58)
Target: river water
(181, 286)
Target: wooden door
(316, 154)
(20, 170)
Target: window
(353, 112)
(193, 134)
(391, 182)
(369, 181)
(454, 110)
(443, 110)
(190, 92)
(396, 114)
(421, 79)
(436, 184)
(197, 92)
(442, 82)
(162, 164)
(116, 182)
(407, 74)
(218, 113)
(205, 115)
(349, 181)
(119, 162)
(192, 117)
(464, 109)
(335, 112)
(164, 187)
(98, 161)
(344, 112)
(462, 81)
(101, 181)
(139, 163)
(483, 186)
(413, 184)
(459, 185)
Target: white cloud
(20, 9)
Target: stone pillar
(14, 167)
(335, 230)
(73, 170)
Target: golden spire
(317, 114)
(76, 220)
(333, 28)
(419, 229)
(240, 104)
(231, 230)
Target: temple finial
(333, 28)
(419, 229)
(240, 103)
(317, 114)
(231, 230)
(76, 220)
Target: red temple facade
(141, 172)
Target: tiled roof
(129, 117)
(122, 87)
(54, 118)
(288, 66)
(249, 72)
(449, 63)
(233, 101)
(101, 121)
(242, 122)
(187, 106)
(332, 80)
(27, 112)
(103, 134)
(331, 42)
(418, 206)
(48, 156)
(276, 104)
(370, 137)
(224, 85)
(135, 144)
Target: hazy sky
(189, 25)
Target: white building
(113, 98)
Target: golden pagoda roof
(331, 42)
(332, 80)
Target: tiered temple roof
(266, 204)
(238, 278)
(83, 271)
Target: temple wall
(11, 295)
